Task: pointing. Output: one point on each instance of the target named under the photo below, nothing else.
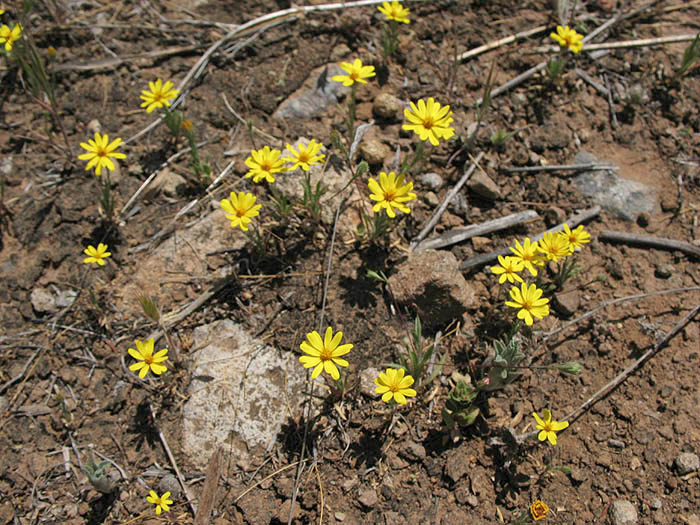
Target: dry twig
(648, 240)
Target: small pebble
(664, 271)
(616, 443)
(431, 180)
(686, 463)
(656, 503)
(623, 513)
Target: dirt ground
(63, 384)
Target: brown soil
(75, 393)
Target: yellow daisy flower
(324, 354)
(9, 36)
(554, 246)
(162, 503)
(96, 255)
(240, 209)
(356, 73)
(159, 95)
(395, 11)
(306, 156)
(527, 253)
(530, 301)
(508, 268)
(100, 153)
(539, 510)
(263, 163)
(390, 192)
(577, 237)
(549, 427)
(394, 385)
(567, 37)
(430, 121)
(147, 360)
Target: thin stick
(612, 302)
(208, 495)
(501, 42)
(624, 44)
(589, 79)
(19, 376)
(559, 167)
(573, 416)
(456, 235)
(185, 488)
(572, 221)
(286, 467)
(653, 242)
(448, 198)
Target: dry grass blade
(208, 497)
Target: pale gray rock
(43, 301)
(387, 106)
(482, 185)
(168, 183)
(367, 385)
(567, 303)
(431, 180)
(431, 280)
(239, 393)
(623, 198)
(169, 483)
(663, 271)
(431, 199)
(622, 512)
(686, 463)
(317, 93)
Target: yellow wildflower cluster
(10, 36)
(527, 298)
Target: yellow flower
(8, 36)
(509, 268)
(356, 73)
(240, 209)
(567, 37)
(577, 237)
(146, 360)
(159, 95)
(548, 427)
(555, 246)
(306, 156)
(530, 301)
(527, 253)
(429, 121)
(395, 11)
(100, 151)
(96, 255)
(539, 510)
(263, 163)
(2, 11)
(390, 192)
(324, 354)
(161, 502)
(392, 384)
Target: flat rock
(316, 94)
(623, 198)
(387, 106)
(567, 303)
(686, 463)
(431, 280)
(430, 180)
(239, 393)
(373, 150)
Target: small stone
(482, 185)
(481, 244)
(643, 219)
(368, 498)
(635, 463)
(554, 216)
(664, 271)
(43, 301)
(457, 464)
(623, 513)
(367, 377)
(656, 503)
(567, 304)
(340, 51)
(431, 180)
(686, 463)
(616, 443)
(386, 106)
(169, 483)
(431, 199)
(168, 183)
(373, 151)
(412, 450)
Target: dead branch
(653, 242)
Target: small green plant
(311, 200)
(690, 56)
(95, 473)
(460, 409)
(107, 199)
(555, 66)
(418, 356)
(504, 364)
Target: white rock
(240, 395)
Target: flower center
(265, 166)
(389, 196)
(240, 212)
(304, 157)
(527, 305)
(148, 359)
(102, 152)
(428, 122)
(326, 354)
